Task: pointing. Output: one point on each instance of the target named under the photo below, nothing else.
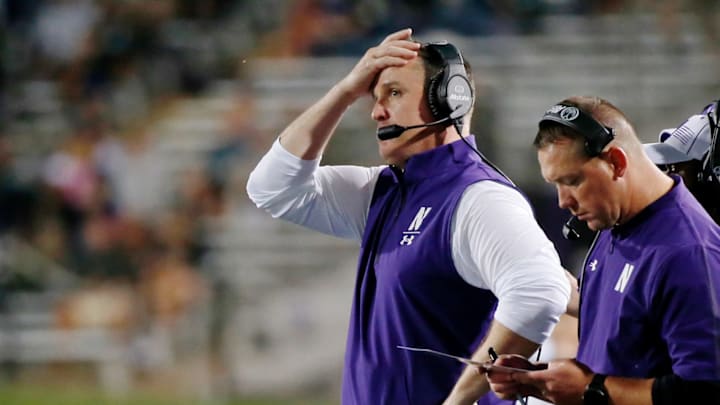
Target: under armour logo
(624, 277)
(593, 265)
(407, 240)
(414, 228)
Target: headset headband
(448, 52)
(450, 93)
(596, 135)
(711, 163)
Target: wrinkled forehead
(412, 73)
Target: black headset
(596, 135)
(710, 173)
(449, 92)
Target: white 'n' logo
(624, 277)
(419, 218)
(414, 228)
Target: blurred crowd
(83, 82)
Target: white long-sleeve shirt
(496, 243)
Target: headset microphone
(568, 230)
(575, 229)
(393, 131)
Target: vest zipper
(403, 195)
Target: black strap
(673, 390)
(711, 165)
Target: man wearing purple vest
(451, 257)
(649, 325)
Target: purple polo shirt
(650, 296)
(408, 291)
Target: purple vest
(650, 298)
(408, 291)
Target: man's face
(399, 99)
(586, 187)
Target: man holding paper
(649, 325)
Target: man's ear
(618, 160)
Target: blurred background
(133, 268)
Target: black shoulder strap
(711, 163)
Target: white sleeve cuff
(330, 199)
(532, 307)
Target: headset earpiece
(449, 93)
(436, 107)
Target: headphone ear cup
(433, 97)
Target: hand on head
(394, 51)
